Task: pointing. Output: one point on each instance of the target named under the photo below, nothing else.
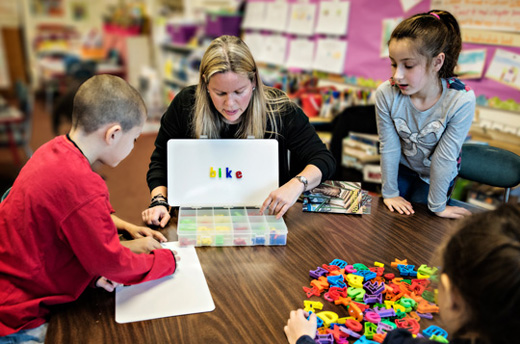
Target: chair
(491, 166)
(16, 126)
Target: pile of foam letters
(376, 302)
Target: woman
(230, 101)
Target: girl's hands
(452, 212)
(298, 326)
(399, 204)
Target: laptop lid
(220, 173)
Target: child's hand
(142, 245)
(453, 212)
(137, 232)
(106, 284)
(399, 204)
(156, 216)
(298, 326)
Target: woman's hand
(298, 326)
(399, 204)
(156, 216)
(452, 212)
(281, 199)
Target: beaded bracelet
(157, 203)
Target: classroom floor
(129, 194)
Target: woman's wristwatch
(302, 180)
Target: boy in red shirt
(58, 234)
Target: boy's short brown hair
(104, 99)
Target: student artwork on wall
(471, 64)
(276, 16)
(505, 68)
(256, 43)
(254, 16)
(408, 4)
(330, 55)
(302, 18)
(333, 18)
(301, 53)
(388, 26)
(48, 8)
(275, 48)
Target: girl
(231, 102)
(479, 284)
(423, 115)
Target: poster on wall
(483, 14)
(276, 16)
(388, 26)
(301, 53)
(78, 10)
(330, 55)
(333, 18)
(471, 64)
(301, 21)
(505, 68)
(274, 49)
(47, 8)
(254, 16)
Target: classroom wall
(364, 37)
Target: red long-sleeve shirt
(57, 235)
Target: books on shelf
(359, 149)
(341, 197)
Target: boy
(58, 235)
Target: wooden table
(255, 288)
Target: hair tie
(435, 15)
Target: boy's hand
(453, 212)
(137, 232)
(298, 326)
(156, 216)
(142, 245)
(106, 284)
(399, 204)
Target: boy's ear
(453, 298)
(113, 133)
(438, 61)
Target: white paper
(505, 68)
(301, 53)
(388, 26)
(333, 18)
(256, 43)
(408, 4)
(184, 292)
(274, 50)
(330, 55)
(255, 15)
(276, 16)
(301, 21)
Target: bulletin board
(363, 40)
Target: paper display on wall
(276, 16)
(254, 16)
(273, 50)
(301, 53)
(505, 68)
(388, 26)
(255, 42)
(301, 21)
(471, 64)
(330, 55)
(333, 18)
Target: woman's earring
(254, 88)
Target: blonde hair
(231, 54)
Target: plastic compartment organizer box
(236, 226)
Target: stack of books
(337, 197)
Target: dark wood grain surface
(255, 288)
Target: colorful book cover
(337, 197)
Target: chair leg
(506, 195)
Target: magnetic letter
(239, 174)
(228, 173)
(212, 172)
